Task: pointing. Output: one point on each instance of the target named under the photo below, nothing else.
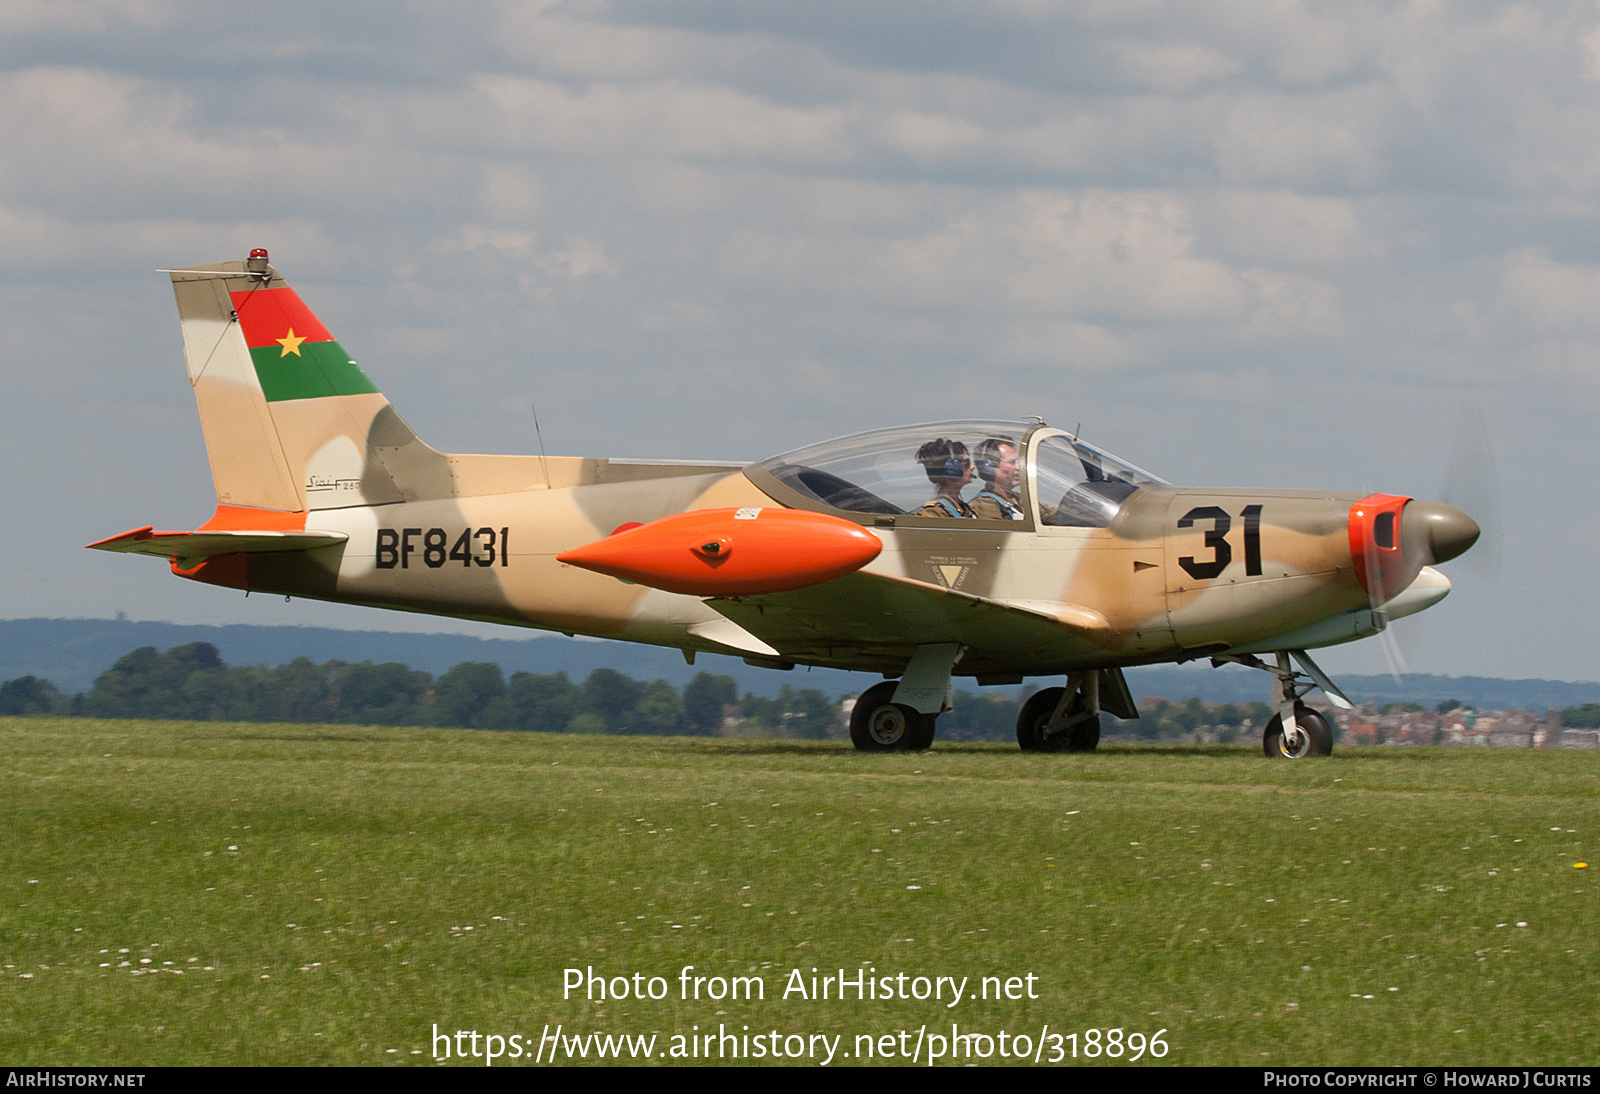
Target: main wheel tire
(1035, 716)
(1315, 738)
(877, 724)
(1085, 736)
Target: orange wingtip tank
(731, 552)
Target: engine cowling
(1392, 538)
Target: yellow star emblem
(290, 343)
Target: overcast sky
(1254, 243)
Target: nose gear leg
(1286, 702)
(1296, 730)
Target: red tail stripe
(267, 315)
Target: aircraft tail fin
(290, 420)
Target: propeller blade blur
(1472, 483)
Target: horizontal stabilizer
(196, 545)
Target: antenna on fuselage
(539, 434)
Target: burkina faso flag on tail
(294, 355)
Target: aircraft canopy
(944, 469)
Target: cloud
(669, 118)
(39, 246)
(1094, 255)
(82, 17)
(1062, 344)
(1172, 66)
(1551, 297)
(1336, 139)
(511, 194)
(98, 145)
(1281, 228)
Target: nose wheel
(1311, 736)
(1308, 732)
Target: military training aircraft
(987, 549)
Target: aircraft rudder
(291, 421)
(248, 463)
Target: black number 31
(1217, 540)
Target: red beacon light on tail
(257, 262)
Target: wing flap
(726, 632)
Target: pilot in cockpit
(949, 468)
(997, 467)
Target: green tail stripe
(320, 369)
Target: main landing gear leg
(1062, 719)
(900, 715)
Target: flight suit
(990, 505)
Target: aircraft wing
(873, 612)
(197, 545)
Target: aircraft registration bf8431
(987, 549)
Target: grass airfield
(211, 893)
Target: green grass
(1247, 907)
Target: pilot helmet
(944, 460)
(989, 457)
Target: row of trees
(1585, 717)
(192, 683)
(1231, 721)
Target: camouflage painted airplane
(994, 550)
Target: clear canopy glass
(1079, 486)
(961, 470)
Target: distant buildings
(1393, 724)
(1462, 726)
